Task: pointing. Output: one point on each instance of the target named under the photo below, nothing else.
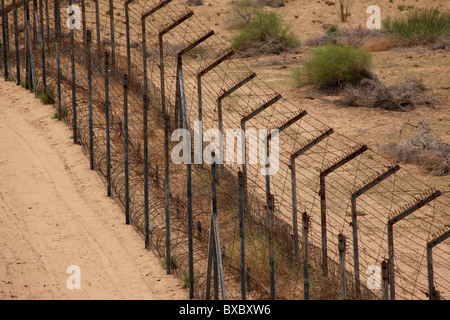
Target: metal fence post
(74, 98)
(125, 146)
(242, 235)
(83, 20)
(353, 199)
(426, 198)
(341, 247)
(5, 53)
(58, 55)
(113, 39)
(327, 169)
(16, 41)
(41, 22)
(433, 294)
(305, 231)
(146, 170)
(385, 280)
(47, 20)
(167, 189)
(107, 114)
(270, 211)
(91, 125)
(97, 25)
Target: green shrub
(419, 24)
(267, 33)
(334, 66)
(47, 97)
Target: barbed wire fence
(336, 220)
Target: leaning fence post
(305, 230)
(107, 114)
(125, 146)
(341, 246)
(91, 126)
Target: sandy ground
(54, 213)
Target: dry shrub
(371, 92)
(273, 3)
(194, 2)
(423, 148)
(380, 44)
(354, 37)
(267, 33)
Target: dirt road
(54, 213)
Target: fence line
(159, 69)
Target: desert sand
(54, 213)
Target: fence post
(327, 169)
(227, 93)
(167, 188)
(146, 186)
(58, 55)
(91, 125)
(97, 25)
(292, 167)
(125, 146)
(305, 231)
(44, 74)
(244, 120)
(385, 280)
(242, 234)
(127, 34)
(353, 198)
(214, 226)
(200, 96)
(74, 97)
(16, 40)
(47, 20)
(113, 39)
(83, 20)
(5, 53)
(433, 294)
(341, 246)
(270, 211)
(426, 198)
(107, 114)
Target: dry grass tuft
(371, 92)
(423, 148)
